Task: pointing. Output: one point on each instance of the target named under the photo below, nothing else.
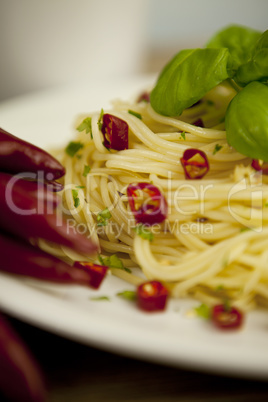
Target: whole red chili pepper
(17, 155)
(17, 187)
(21, 216)
(21, 258)
(147, 203)
(152, 296)
(115, 132)
(20, 376)
(194, 163)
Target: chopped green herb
(136, 114)
(85, 125)
(76, 198)
(210, 102)
(127, 294)
(203, 311)
(78, 156)
(144, 232)
(245, 229)
(217, 148)
(100, 122)
(113, 262)
(100, 298)
(103, 217)
(219, 288)
(73, 147)
(183, 135)
(86, 170)
(79, 186)
(227, 305)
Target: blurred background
(45, 43)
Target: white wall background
(183, 22)
(53, 42)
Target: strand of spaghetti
(163, 169)
(188, 128)
(97, 138)
(148, 137)
(214, 268)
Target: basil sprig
(188, 77)
(246, 121)
(235, 53)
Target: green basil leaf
(246, 121)
(256, 69)
(238, 39)
(187, 78)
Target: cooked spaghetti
(212, 246)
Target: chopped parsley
(86, 170)
(100, 121)
(73, 147)
(103, 217)
(85, 125)
(136, 114)
(210, 102)
(203, 311)
(127, 294)
(76, 198)
(183, 135)
(113, 262)
(100, 298)
(144, 232)
(217, 148)
(79, 186)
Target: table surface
(78, 373)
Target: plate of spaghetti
(176, 201)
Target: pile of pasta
(213, 244)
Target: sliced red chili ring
(226, 318)
(147, 203)
(260, 166)
(199, 123)
(195, 163)
(115, 132)
(96, 272)
(152, 296)
(144, 97)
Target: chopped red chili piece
(199, 123)
(95, 271)
(226, 318)
(144, 97)
(194, 163)
(115, 132)
(152, 296)
(147, 203)
(260, 166)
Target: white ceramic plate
(172, 337)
